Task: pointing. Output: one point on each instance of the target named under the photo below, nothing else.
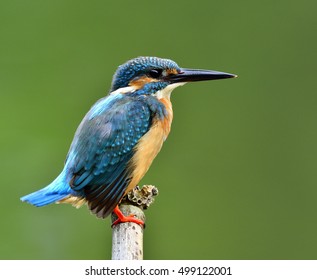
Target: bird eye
(155, 73)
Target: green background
(237, 175)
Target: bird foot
(124, 219)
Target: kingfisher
(119, 137)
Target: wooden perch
(127, 238)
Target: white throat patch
(123, 90)
(166, 92)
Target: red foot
(124, 219)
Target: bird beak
(195, 75)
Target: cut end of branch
(141, 197)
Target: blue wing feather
(96, 166)
(102, 148)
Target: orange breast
(149, 145)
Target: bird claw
(125, 219)
(131, 218)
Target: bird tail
(57, 190)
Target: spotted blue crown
(138, 67)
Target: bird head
(149, 75)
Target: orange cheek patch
(171, 71)
(140, 82)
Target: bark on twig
(127, 238)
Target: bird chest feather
(150, 144)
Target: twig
(127, 238)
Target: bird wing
(102, 148)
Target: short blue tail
(55, 191)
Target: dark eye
(155, 73)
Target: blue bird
(120, 136)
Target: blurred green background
(237, 175)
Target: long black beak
(195, 75)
